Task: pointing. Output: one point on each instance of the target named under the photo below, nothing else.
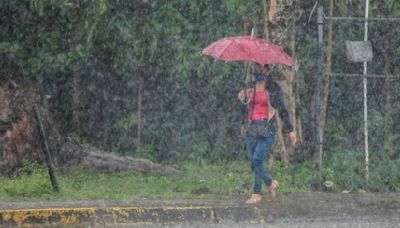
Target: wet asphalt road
(317, 210)
(297, 223)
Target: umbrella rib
(223, 49)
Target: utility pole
(365, 95)
(319, 84)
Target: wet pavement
(287, 210)
(294, 224)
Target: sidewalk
(149, 212)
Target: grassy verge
(209, 181)
(198, 181)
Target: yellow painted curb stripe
(65, 216)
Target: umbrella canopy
(248, 48)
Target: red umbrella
(248, 48)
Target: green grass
(210, 181)
(198, 181)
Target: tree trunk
(283, 33)
(140, 111)
(306, 28)
(283, 147)
(111, 162)
(76, 103)
(247, 72)
(265, 16)
(387, 121)
(272, 11)
(255, 17)
(388, 110)
(326, 81)
(298, 119)
(246, 25)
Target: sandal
(273, 188)
(255, 198)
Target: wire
(362, 75)
(362, 19)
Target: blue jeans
(257, 150)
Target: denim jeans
(257, 150)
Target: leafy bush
(348, 170)
(385, 176)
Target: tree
(283, 33)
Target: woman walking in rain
(261, 102)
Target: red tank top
(259, 110)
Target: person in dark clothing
(262, 101)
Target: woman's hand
(241, 95)
(293, 137)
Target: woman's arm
(278, 102)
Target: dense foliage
(128, 76)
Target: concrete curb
(106, 216)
